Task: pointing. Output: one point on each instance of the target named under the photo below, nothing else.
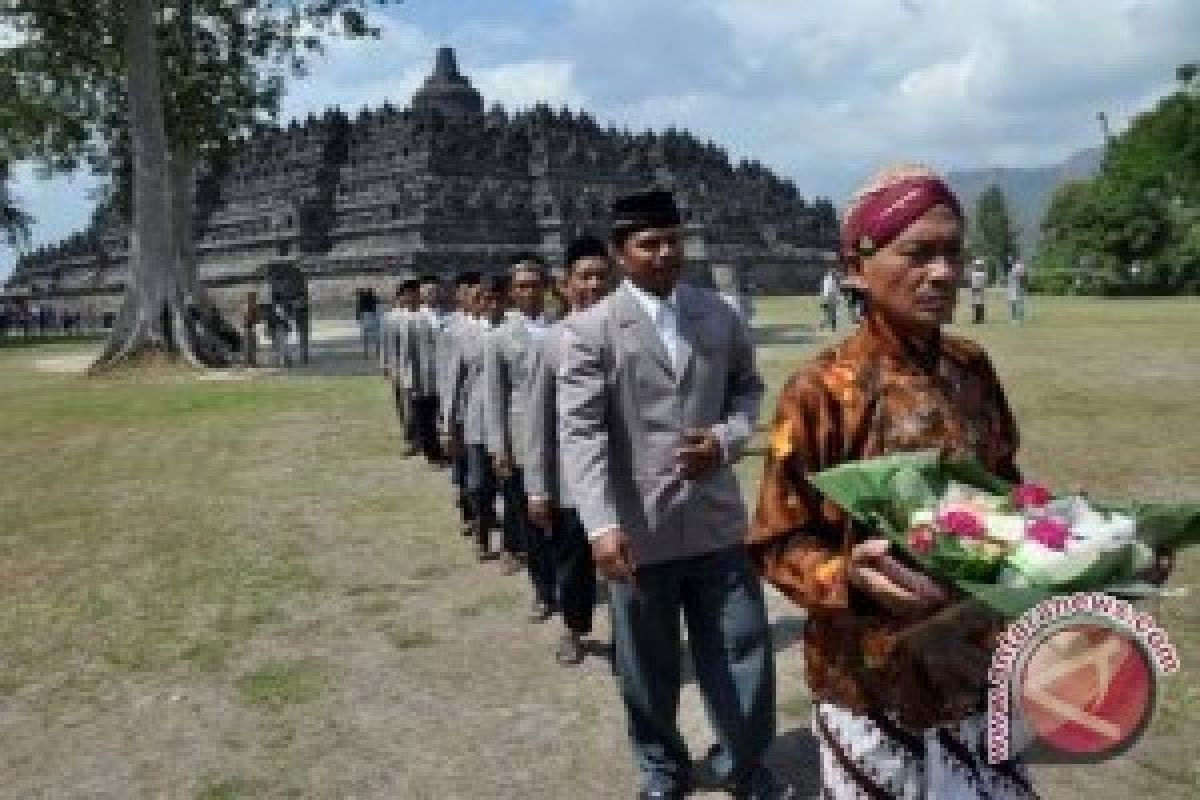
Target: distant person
(508, 361)
(279, 328)
(429, 323)
(303, 318)
(831, 289)
(249, 334)
(977, 280)
(367, 314)
(1016, 291)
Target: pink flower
(1030, 495)
(920, 540)
(1048, 532)
(962, 523)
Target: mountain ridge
(1026, 189)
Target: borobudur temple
(444, 185)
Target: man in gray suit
(395, 351)
(426, 323)
(507, 360)
(449, 375)
(658, 396)
(587, 278)
(467, 411)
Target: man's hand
(700, 453)
(540, 513)
(902, 591)
(1158, 572)
(503, 466)
(613, 556)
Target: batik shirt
(871, 395)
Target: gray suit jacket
(470, 402)
(423, 341)
(543, 467)
(449, 369)
(506, 378)
(396, 345)
(623, 410)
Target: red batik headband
(885, 213)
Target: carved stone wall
(443, 186)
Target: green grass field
(237, 588)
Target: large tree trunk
(212, 337)
(155, 318)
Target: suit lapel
(632, 317)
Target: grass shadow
(785, 333)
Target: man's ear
(852, 267)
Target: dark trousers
(425, 411)
(522, 536)
(980, 311)
(482, 486)
(574, 572)
(458, 476)
(722, 604)
(406, 413)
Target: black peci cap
(585, 246)
(495, 283)
(652, 209)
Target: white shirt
(436, 318)
(537, 327)
(829, 286)
(664, 313)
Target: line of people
(475, 391)
(612, 435)
(608, 436)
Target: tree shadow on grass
(785, 333)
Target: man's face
(412, 299)
(653, 259)
(491, 304)
(464, 296)
(913, 282)
(429, 295)
(588, 281)
(527, 291)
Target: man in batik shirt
(899, 681)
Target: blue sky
(821, 90)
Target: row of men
(611, 436)
(474, 388)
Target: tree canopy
(993, 236)
(1135, 227)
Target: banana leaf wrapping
(882, 494)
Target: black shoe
(570, 650)
(487, 555)
(704, 776)
(540, 611)
(762, 785)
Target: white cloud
(523, 84)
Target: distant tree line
(1134, 229)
